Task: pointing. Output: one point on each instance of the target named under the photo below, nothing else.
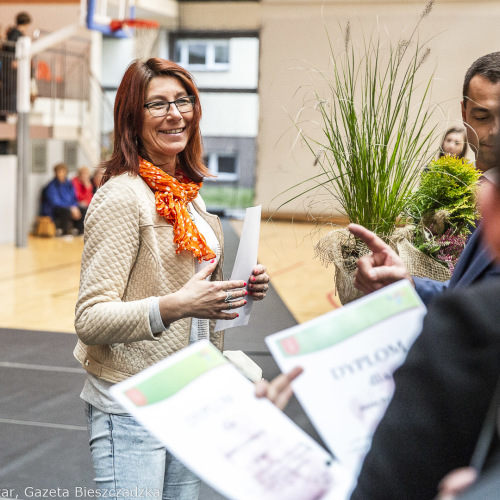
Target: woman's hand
(199, 298)
(258, 283)
(278, 391)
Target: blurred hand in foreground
(279, 390)
(456, 482)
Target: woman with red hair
(151, 271)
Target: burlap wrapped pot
(342, 250)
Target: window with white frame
(203, 55)
(223, 165)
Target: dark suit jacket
(442, 393)
(475, 264)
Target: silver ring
(229, 297)
(266, 288)
(230, 305)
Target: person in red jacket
(84, 190)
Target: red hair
(129, 118)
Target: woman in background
(454, 143)
(84, 190)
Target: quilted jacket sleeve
(111, 245)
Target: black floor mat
(43, 437)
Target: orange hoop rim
(117, 24)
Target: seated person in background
(59, 202)
(454, 143)
(84, 190)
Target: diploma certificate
(205, 412)
(349, 356)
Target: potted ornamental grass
(375, 137)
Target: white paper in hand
(246, 260)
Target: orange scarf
(172, 196)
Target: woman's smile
(173, 131)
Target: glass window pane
(227, 165)
(222, 54)
(177, 52)
(197, 53)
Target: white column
(23, 59)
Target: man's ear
(462, 104)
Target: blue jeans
(129, 462)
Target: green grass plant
(375, 133)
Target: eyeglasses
(161, 108)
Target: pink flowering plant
(444, 209)
(450, 248)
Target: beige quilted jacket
(129, 256)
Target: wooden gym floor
(39, 284)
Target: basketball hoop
(143, 31)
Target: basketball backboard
(98, 14)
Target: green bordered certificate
(349, 356)
(205, 413)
